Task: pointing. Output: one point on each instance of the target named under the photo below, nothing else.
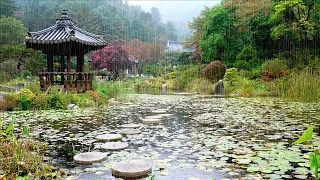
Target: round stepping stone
(130, 125)
(151, 121)
(163, 109)
(130, 131)
(158, 111)
(132, 169)
(89, 157)
(114, 146)
(154, 117)
(166, 115)
(109, 137)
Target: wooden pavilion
(64, 39)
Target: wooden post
(80, 69)
(50, 65)
(69, 81)
(62, 69)
(68, 63)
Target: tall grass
(302, 86)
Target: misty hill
(180, 12)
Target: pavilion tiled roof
(65, 31)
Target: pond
(205, 138)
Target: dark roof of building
(65, 31)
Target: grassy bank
(300, 86)
(32, 98)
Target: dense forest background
(261, 39)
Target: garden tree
(143, 51)
(215, 71)
(14, 60)
(7, 8)
(113, 58)
(12, 31)
(84, 16)
(156, 16)
(260, 31)
(294, 19)
(221, 39)
(248, 57)
(197, 26)
(171, 31)
(248, 9)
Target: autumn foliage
(142, 51)
(112, 57)
(215, 71)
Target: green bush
(242, 64)
(27, 93)
(24, 103)
(276, 67)
(232, 78)
(215, 71)
(188, 74)
(55, 102)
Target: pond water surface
(206, 138)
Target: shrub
(189, 73)
(215, 71)
(174, 84)
(242, 64)
(41, 101)
(24, 103)
(231, 75)
(9, 102)
(274, 69)
(27, 93)
(55, 102)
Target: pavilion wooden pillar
(80, 70)
(62, 69)
(80, 64)
(50, 65)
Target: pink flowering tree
(113, 57)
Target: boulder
(71, 106)
(113, 102)
(219, 87)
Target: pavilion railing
(78, 81)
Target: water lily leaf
(307, 135)
(164, 173)
(313, 162)
(194, 178)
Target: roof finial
(64, 14)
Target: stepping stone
(114, 146)
(130, 131)
(154, 117)
(109, 137)
(89, 157)
(151, 121)
(132, 169)
(162, 109)
(130, 125)
(158, 111)
(127, 103)
(167, 115)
